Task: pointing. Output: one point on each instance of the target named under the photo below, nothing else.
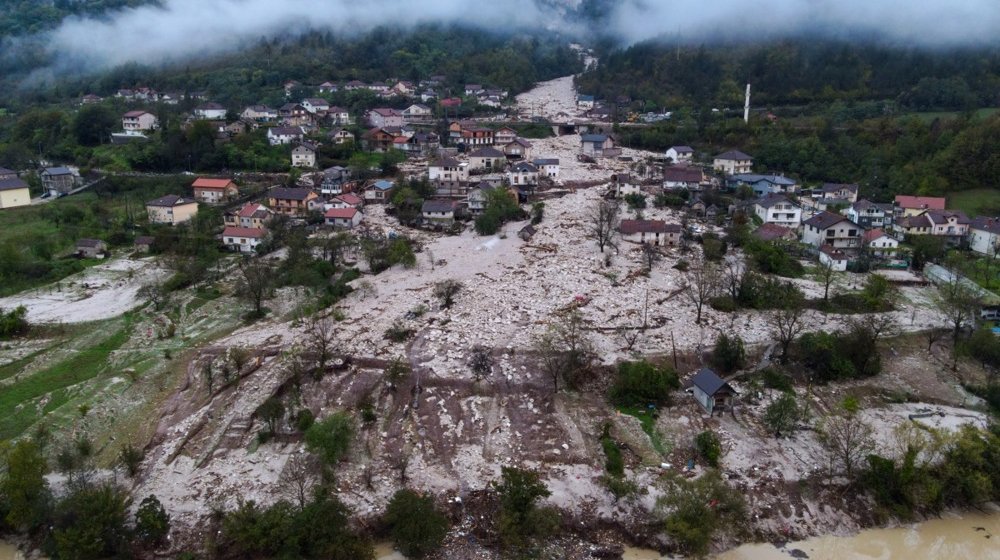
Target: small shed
(90, 248)
(143, 243)
(526, 233)
(712, 392)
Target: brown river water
(968, 537)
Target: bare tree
(650, 255)
(786, 325)
(957, 303)
(154, 294)
(256, 283)
(481, 362)
(827, 276)
(321, 335)
(702, 285)
(565, 349)
(734, 274)
(336, 246)
(604, 219)
(446, 290)
(240, 357)
(848, 440)
(298, 478)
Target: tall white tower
(746, 107)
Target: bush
(416, 526)
(783, 415)
(14, 323)
(729, 354)
(774, 379)
(635, 201)
(713, 247)
(699, 508)
(614, 463)
(758, 291)
(304, 420)
(725, 304)
(331, 438)
(642, 383)
(399, 333)
(771, 259)
(152, 522)
(983, 346)
(520, 518)
(709, 447)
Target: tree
(650, 256)
(90, 523)
(321, 335)
(481, 362)
(256, 283)
(396, 371)
(827, 276)
(520, 517)
(848, 440)
(93, 124)
(23, 486)
(702, 286)
(331, 438)
(786, 325)
(155, 294)
(603, 221)
(729, 353)
(152, 522)
(298, 479)
(782, 415)
(565, 349)
(130, 458)
(957, 302)
(416, 525)
(707, 445)
(271, 412)
(698, 508)
(446, 290)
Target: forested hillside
(24, 17)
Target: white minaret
(746, 107)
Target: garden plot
(100, 292)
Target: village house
(595, 145)
(382, 118)
(585, 102)
(293, 114)
(522, 174)
(403, 88)
(680, 154)
(869, 215)
(59, 181)
(879, 243)
(91, 248)
(379, 140)
(315, 105)
(210, 111)
(378, 191)
(290, 201)
(125, 94)
(428, 95)
(13, 191)
(281, 135)
(833, 258)
(304, 155)
(333, 179)
(259, 113)
(327, 87)
(906, 205)
(90, 99)
(907, 226)
(137, 121)
(171, 209)
(290, 87)
(347, 200)
(624, 185)
(763, 184)
(827, 228)
(342, 218)
(243, 240)
(839, 191)
(252, 215)
(475, 136)
(473, 89)
(517, 149)
(144, 243)
(450, 102)
(778, 209)
(417, 113)
(503, 136)
(773, 233)
(712, 392)
(449, 176)
(952, 225)
(733, 162)
(439, 212)
(683, 177)
(355, 85)
(421, 144)
(547, 167)
(338, 116)
(655, 232)
(984, 236)
(477, 196)
(340, 136)
(487, 158)
(214, 191)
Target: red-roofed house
(214, 191)
(347, 200)
(344, 218)
(656, 232)
(879, 243)
(244, 240)
(834, 258)
(135, 121)
(251, 215)
(912, 205)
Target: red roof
(250, 209)
(341, 213)
(920, 202)
(243, 232)
(350, 198)
(202, 183)
(629, 227)
(873, 234)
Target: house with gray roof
(712, 392)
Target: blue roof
(594, 138)
(585, 98)
(383, 185)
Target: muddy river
(952, 538)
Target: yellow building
(13, 192)
(171, 209)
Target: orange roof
(202, 183)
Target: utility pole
(746, 107)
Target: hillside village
(484, 291)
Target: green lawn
(976, 202)
(645, 417)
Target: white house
(522, 174)
(711, 391)
(504, 136)
(984, 236)
(315, 105)
(284, 135)
(834, 258)
(868, 214)
(139, 121)
(439, 212)
(733, 162)
(827, 228)
(338, 116)
(655, 232)
(447, 170)
(244, 240)
(477, 198)
(259, 113)
(210, 111)
(585, 102)
(487, 158)
(304, 155)
(378, 191)
(548, 167)
(342, 218)
(382, 118)
(778, 209)
(417, 113)
(680, 154)
(594, 144)
(625, 185)
(879, 243)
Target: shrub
(983, 346)
(152, 522)
(14, 322)
(729, 354)
(725, 304)
(331, 438)
(709, 447)
(783, 415)
(399, 333)
(635, 201)
(520, 517)
(774, 379)
(304, 420)
(642, 383)
(698, 509)
(614, 463)
(415, 524)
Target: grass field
(976, 202)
